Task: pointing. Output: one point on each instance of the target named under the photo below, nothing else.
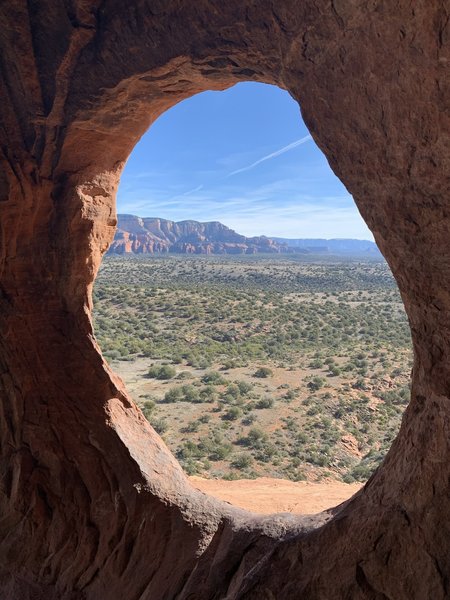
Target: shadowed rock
(92, 504)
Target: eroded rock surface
(92, 504)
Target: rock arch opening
(87, 511)
(287, 360)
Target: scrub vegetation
(281, 366)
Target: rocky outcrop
(136, 235)
(92, 503)
(149, 236)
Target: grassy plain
(248, 366)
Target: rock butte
(153, 235)
(92, 503)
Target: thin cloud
(172, 199)
(196, 189)
(287, 148)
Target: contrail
(188, 193)
(197, 189)
(291, 146)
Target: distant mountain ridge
(136, 235)
(332, 246)
(153, 235)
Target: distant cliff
(148, 236)
(136, 235)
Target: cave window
(250, 355)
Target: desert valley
(289, 365)
(213, 384)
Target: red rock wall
(92, 504)
(148, 236)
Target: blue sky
(243, 157)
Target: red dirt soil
(266, 495)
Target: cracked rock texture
(92, 504)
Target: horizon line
(272, 237)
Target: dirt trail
(266, 495)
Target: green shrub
(233, 390)
(361, 472)
(184, 375)
(256, 438)
(173, 395)
(162, 372)
(153, 372)
(244, 387)
(190, 468)
(220, 452)
(192, 427)
(160, 425)
(265, 403)
(249, 419)
(316, 383)
(166, 372)
(316, 364)
(335, 371)
(190, 393)
(148, 407)
(242, 461)
(213, 378)
(263, 372)
(208, 394)
(233, 413)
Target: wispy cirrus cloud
(279, 152)
(193, 191)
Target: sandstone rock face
(92, 504)
(148, 236)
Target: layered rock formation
(92, 503)
(148, 236)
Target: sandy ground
(266, 495)
(261, 495)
